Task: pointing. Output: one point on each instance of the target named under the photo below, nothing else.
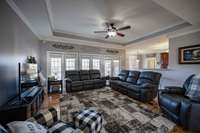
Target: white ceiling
(152, 45)
(78, 19)
(189, 10)
(83, 17)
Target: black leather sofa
(78, 80)
(142, 86)
(180, 108)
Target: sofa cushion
(187, 82)
(134, 88)
(98, 81)
(149, 77)
(74, 75)
(88, 82)
(116, 82)
(171, 102)
(193, 91)
(133, 77)
(84, 75)
(124, 84)
(61, 127)
(25, 127)
(95, 74)
(77, 83)
(123, 75)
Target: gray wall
(16, 43)
(47, 46)
(177, 73)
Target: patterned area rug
(121, 113)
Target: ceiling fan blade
(107, 36)
(124, 28)
(100, 31)
(120, 34)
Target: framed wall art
(189, 54)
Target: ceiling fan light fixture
(112, 33)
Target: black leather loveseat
(142, 86)
(177, 106)
(78, 80)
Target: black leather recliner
(84, 79)
(180, 108)
(142, 86)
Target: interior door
(164, 60)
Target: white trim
(50, 14)
(79, 56)
(183, 33)
(82, 42)
(161, 32)
(15, 8)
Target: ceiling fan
(112, 31)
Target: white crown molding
(183, 33)
(15, 8)
(50, 14)
(89, 42)
(82, 42)
(160, 32)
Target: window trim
(79, 56)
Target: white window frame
(79, 56)
(105, 73)
(53, 55)
(70, 63)
(118, 67)
(96, 63)
(84, 65)
(70, 55)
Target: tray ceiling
(78, 19)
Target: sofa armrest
(173, 90)
(46, 118)
(103, 78)
(148, 92)
(147, 86)
(68, 80)
(114, 78)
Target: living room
(130, 66)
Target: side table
(55, 85)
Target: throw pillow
(193, 91)
(26, 127)
(61, 127)
(2, 129)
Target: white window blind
(132, 61)
(115, 67)
(96, 64)
(70, 63)
(55, 67)
(85, 64)
(108, 67)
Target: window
(108, 65)
(151, 63)
(55, 67)
(70, 64)
(85, 64)
(96, 64)
(115, 67)
(133, 64)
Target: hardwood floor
(52, 100)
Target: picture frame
(189, 54)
